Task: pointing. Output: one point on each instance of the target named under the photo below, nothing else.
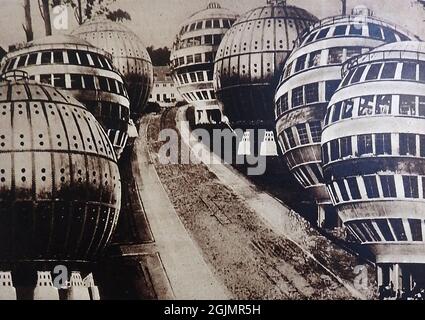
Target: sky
(157, 21)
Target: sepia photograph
(221, 151)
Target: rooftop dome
(60, 189)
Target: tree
(87, 9)
(45, 14)
(160, 56)
(28, 21)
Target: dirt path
(252, 260)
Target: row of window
(73, 57)
(378, 144)
(108, 110)
(81, 82)
(207, 57)
(390, 70)
(371, 30)
(208, 24)
(332, 56)
(195, 77)
(199, 95)
(377, 187)
(301, 134)
(164, 85)
(305, 95)
(209, 39)
(382, 230)
(309, 175)
(404, 105)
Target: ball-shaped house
(84, 71)
(192, 60)
(250, 60)
(60, 189)
(310, 77)
(129, 56)
(373, 145)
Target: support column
(77, 290)
(7, 290)
(45, 289)
(379, 276)
(321, 215)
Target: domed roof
(60, 189)
(213, 11)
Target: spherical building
(84, 71)
(250, 60)
(60, 189)
(192, 59)
(373, 145)
(310, 77)
(129, 56)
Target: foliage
(160, 56)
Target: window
(358, 74)
(407, 105)
(189, 59)
(335, 55)
(410, 184)
(422, 72)
(216, 24)
(199, 25)
(348, 77)
(316, 131)
(76, 81)
(322, 34)
(388, 186)
(347, 109)
(32, 59)
(201, 77)
(334, 150)
(389, 35)
(367, 104)
(383, 104)
(343, 190)
(302, 133)
(314, 59)
(383, 143)
(217, 39)
(46, 78)
(354, 188)
(59, 80)
(373, 72)
(21, 61)
(208, 24)
(84, 59)
(290, 136)
(192, 26)
(416, 229)
(11, 64)
(288, 70)
(205, 95)
(113, 86)
(209, 57)
(311, 37)
(325, 153)
(346, 147)
(57, 56)
(46, 57)
(364, 144)
(421, 107)
(409, 71)
(337, 112)
(226, 24)
(210, 75)
(389, 70)
(198, 58)
(284, 103)
(312, 92)
(375, 31)
(208, 39)
(340, 30)
(356, 29)
(422, 145)
(385, 229)
(89, 82)
(297, 97)
(197, 41)
(300, 65)
(192, 77)
(103, 84)
(333, 191)
(353, 51)
(331, 87)
(371, 187)
(407, 144)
